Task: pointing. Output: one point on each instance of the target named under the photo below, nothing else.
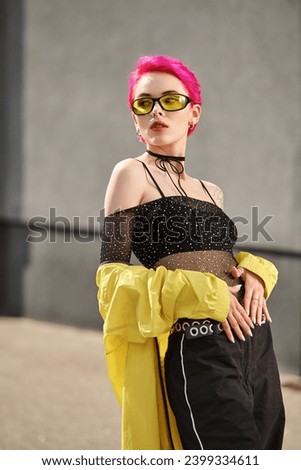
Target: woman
(186, 332)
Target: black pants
(225, 395)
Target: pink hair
(166, 64)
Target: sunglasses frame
(158, 100)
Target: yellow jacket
(140, 304)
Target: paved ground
(55, 394)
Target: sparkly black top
(166, 226)
(175, 231)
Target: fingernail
(243, 338)
(271, 321)
(250, 333)
(237, 287)
(252, 326)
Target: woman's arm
(263, 268)
(124, 190)
(137, 302)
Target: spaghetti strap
(208, 192)
(155, 182)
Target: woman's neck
(176, 149)
(169, 151)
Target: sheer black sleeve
(116, 243)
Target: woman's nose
(157, 109)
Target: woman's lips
(158, 125)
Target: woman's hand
(254, 301)
(237, 318)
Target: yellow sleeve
(137, 302)
(265, 269)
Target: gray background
(75, 125)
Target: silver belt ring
(194, 331)
(185, 325)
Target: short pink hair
(166, 64)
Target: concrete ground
(55, 393)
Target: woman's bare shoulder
(126, 165)
(127, 170)
(216, 193)
(125, 186)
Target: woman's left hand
(254, 301)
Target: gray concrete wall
(78, 55)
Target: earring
(191, 125)
(138, 132)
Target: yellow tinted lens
(142, 105)
(173, 102)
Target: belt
(197, 328)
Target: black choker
(160, 163)
(167, 158)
